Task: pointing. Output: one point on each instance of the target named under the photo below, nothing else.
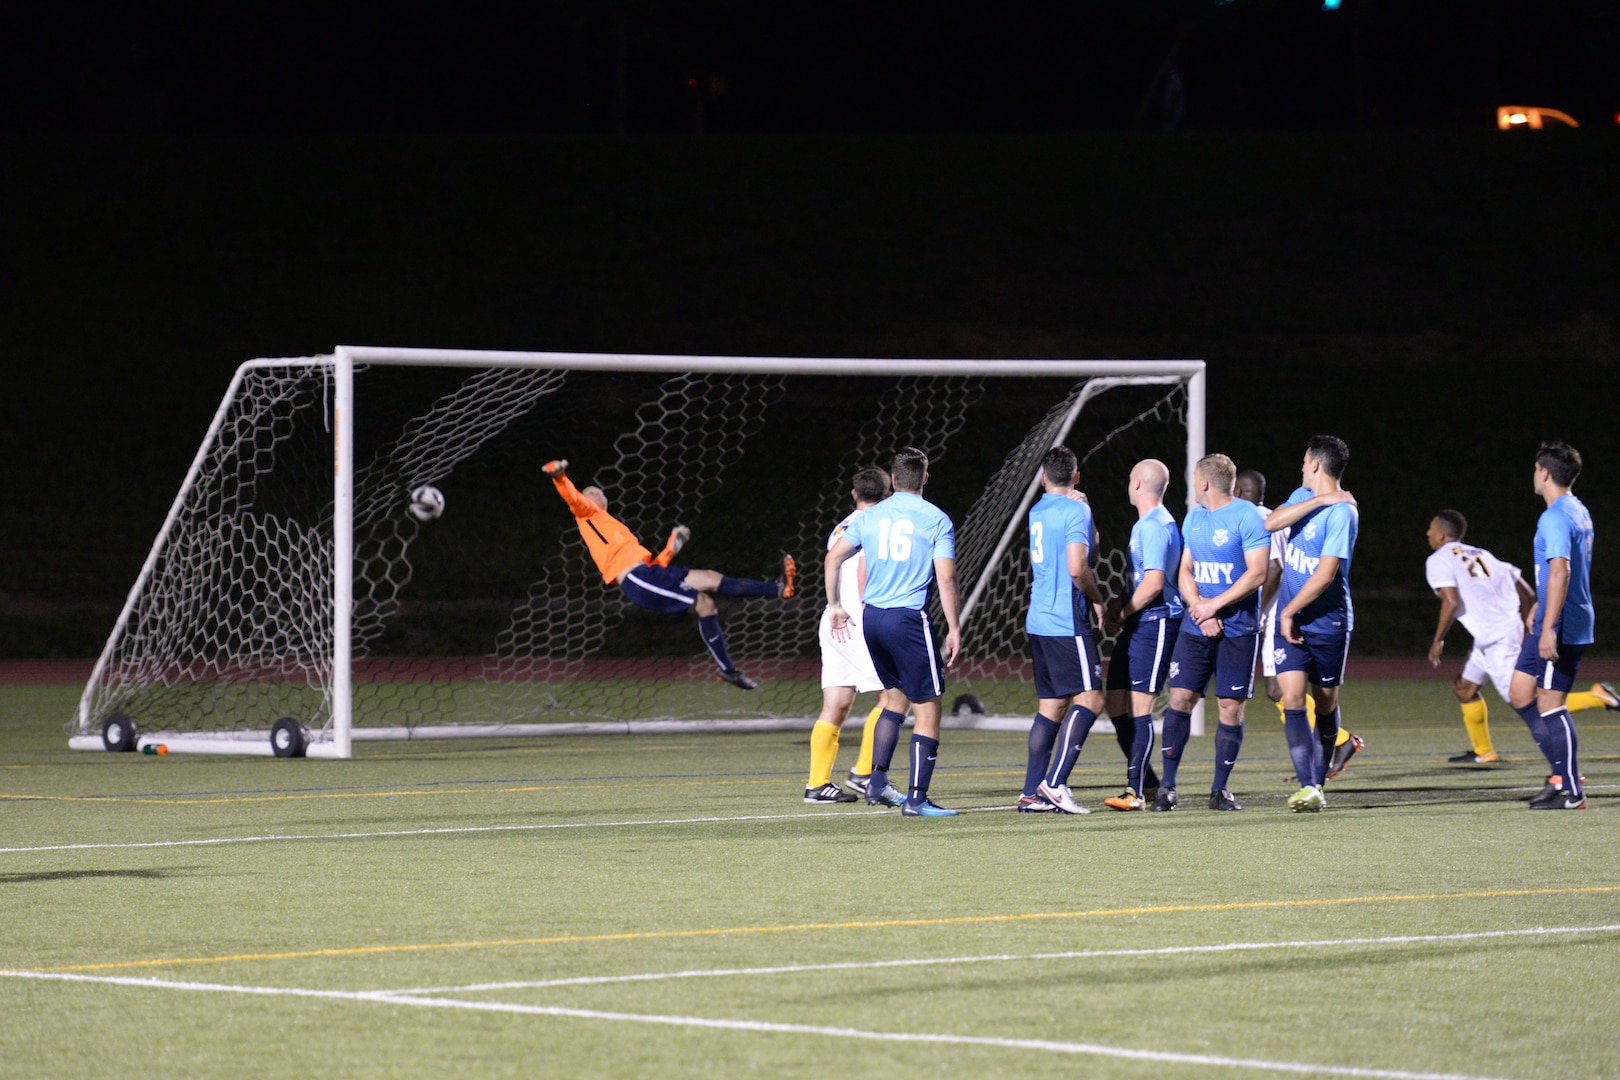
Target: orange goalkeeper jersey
(613, 546)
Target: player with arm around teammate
(1492, 601)
(1068, 667)
(846, 665)
(1251, 485)
(1223, 567)
(1147, 619)
(650, 582)
(1315, 617)
(910, 548)
(1561, 625)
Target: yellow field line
(881, 924)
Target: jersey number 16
(894, 539)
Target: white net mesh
(494, 614)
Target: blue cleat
(889, 796)
(926, 808)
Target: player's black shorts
(901, 642)
(659, 588)
(1142, 655)
(1065, 666)
(1556, 674)
(1228, 660)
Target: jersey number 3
(1037, 552)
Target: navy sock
(1302, 744)
(1327, 736)
(1177, 730)
(885, 738)
(1042, 734)
(715, 638)
(1124, 733)
(741, 586)
(924, 752)
(1562, 746)
(1538, 731)
(1141, 749)
(1228, 741)
(1076, 726)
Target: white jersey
(1278, 554)
(847, 663)
(1486, 585)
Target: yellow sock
(863, 764)
(823, 752)
(1476, 718)
(1584, 699)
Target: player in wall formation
(1236, 583)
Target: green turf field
(668, 906)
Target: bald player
(1146, 619)
(650, 582)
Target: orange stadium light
(1510, 117)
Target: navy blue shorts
(1321, 658)
(901, 642)
(659, 588)
(1228, 660)
(1556, 674)
(1141, 656)
(1065, 666)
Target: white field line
(274, 838)
(996, 958)
(1047, 1046)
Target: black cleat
(829, 793)
(737, 679)
(1342, 755)
(1223, 800)
(858, 782)
(1165, 800)
(1606, 691)
(1553, 798)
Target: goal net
(291, 590)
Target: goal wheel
(967, 705)
(118, 732)
(288, 738)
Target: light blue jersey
(1218, 540)
(1564, 531)
(1156, 545)
(1330, 530)
(1055, 522)
(902, 536)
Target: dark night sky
(552, 66)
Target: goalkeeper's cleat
(1605, 690)
(556, 468)
(1307, 800)
(1035, 804)
(736, 678)
(889, 796)
(1470, 757)
(678, 536)
(1164, 800)
(1125, 800)
(926, 808)
(1223, 800)
(857, 782)
(790, 574)
(1060, 797)
(1342, 755)
(829, 793)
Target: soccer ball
(427, 503)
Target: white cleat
(1060, 797)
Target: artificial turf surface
(349, 917)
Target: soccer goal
(293, 602)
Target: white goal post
(289, 605)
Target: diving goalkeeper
(652, 583)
